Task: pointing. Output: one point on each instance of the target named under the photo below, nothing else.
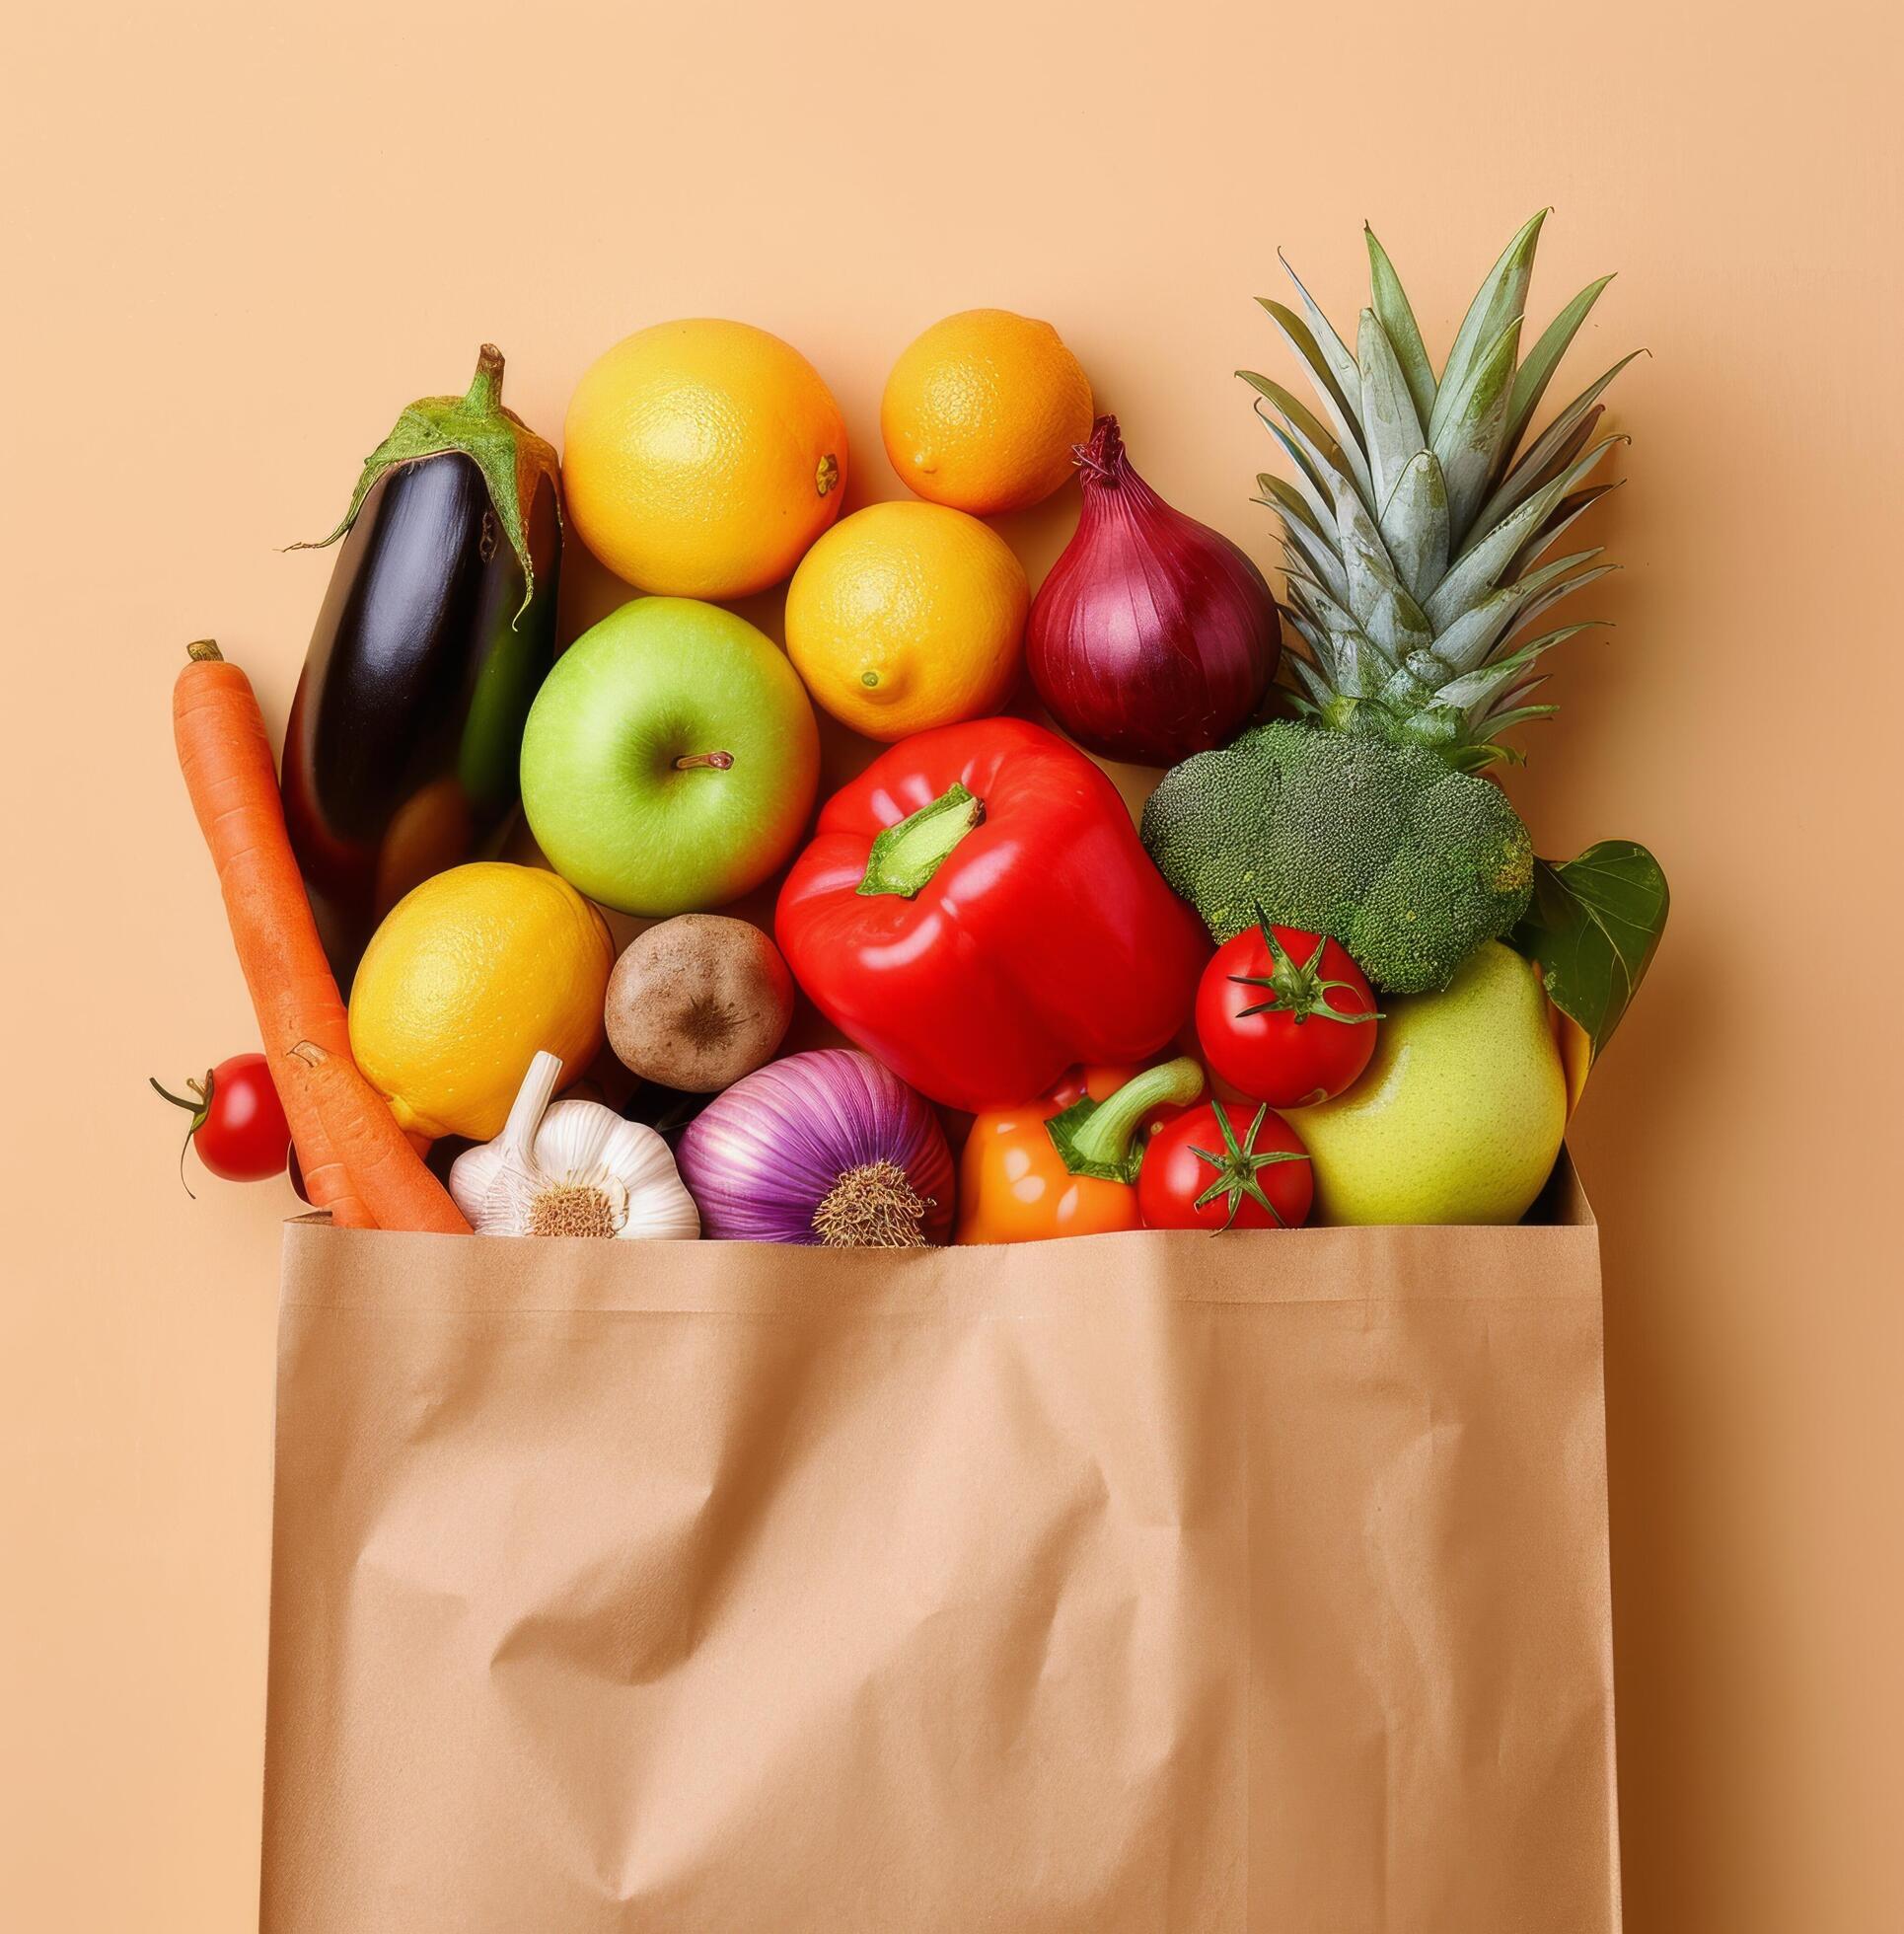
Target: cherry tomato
(1226, 1165)
(1285, 1016)
(238, 1123)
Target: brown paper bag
(1139, 1582)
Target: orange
(981, 410)
(702, 458)
(905, 616)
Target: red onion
(1154, 636)
(828, 1147)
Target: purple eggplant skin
(400, 758)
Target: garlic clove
(473, 1176)
(572, 1136)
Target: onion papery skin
(762, 1158)
(1154, 636)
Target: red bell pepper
(976, 910)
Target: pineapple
(1415, 527)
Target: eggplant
(400, 757)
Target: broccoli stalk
(1408, 864)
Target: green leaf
(1282, 496)
(1318, 557)
(1399, 324)
(1530, 384)
(1381, 602)
(1415, 525)
(1322, 448)
(1539, 460)
(1470, 419)
(1331, 346)
(1555, 522)
(1595, 925)
(1309, 481)
(1296, 333)
(1390, 429)
(1501, 299)
(1480, 568)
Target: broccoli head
(1410, 864)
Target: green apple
(1458, 1117)
(669, 759)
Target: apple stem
(719, 761)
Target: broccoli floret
(1409, 863)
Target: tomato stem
(1297, 990)
(198, 1109)
(1239, 1166)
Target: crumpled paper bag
(1135, 1582)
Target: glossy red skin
(244, 1137)
(1173, 1175)
(1045, 939)
(1271, 1057)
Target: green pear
(1458, 1117)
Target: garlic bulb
(574, 1169)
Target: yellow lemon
(701, 459)
(981, 410)
(470, 976)
(905, 616)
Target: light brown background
(240, 238)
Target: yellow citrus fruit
(470, 975)
(701, 459)
(905, 616)
(981, 410)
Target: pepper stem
(905, 857)
(485, 395)
(1104, 1138)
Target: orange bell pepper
(1067, 1164)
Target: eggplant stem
(485, 385)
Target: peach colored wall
(242, 235)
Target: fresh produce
(1409, 863)
(698, 1001)
(825, 1148)
(701, 458)
(1068, 1164)
(976, 910)
(399, 759)
(906, 615)
(467, 975)
(1593, 927)
(238, 1123)
(671, 758)
(1461, 1114)
(386, 1171)
(1416, 532)
(1285, 1016)
(1152, 636)
(574, 1169)
(981, 410)
(1222, 1167)
(225, 755)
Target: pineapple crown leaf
(1399, 326)
(1327, 341)
(1415, 522)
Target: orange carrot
(226, 758)
(399, 1191)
